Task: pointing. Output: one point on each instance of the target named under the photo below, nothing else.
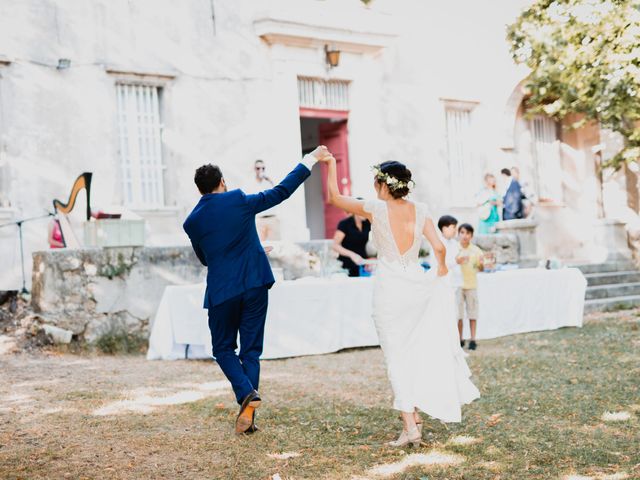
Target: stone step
(609, 278)
(612, 304)
(613, 290)
(613, 266)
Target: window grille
(463, 171)
(325, 94)
(139, 132)
(546, 157)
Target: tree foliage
(584, 57)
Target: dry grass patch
(327, 417)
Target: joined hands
(323, 154)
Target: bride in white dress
(413, 311)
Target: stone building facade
(142, 92)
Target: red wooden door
(334, 136)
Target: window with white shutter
(465, 177)
(5, 181)
(139, 132)
(545, 147)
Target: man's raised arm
(262, 201)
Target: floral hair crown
(392, 182)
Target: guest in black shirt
(350, 242)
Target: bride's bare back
(397, 225)
(402, 221)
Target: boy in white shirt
(448, 225)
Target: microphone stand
(19, 224)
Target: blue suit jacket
(513, 202)
(222, 230)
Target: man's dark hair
(258, 161)
(207, 178)
(467, 227)
(506, 171)
(446, 221)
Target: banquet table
(529, 300)
(305, 317)
(322, 315)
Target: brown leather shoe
(247, 409)
(253, 428)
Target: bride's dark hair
(401, 172)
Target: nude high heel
(411, 436)
(419, 423)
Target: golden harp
(82, 182)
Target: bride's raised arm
(348, 204)
(438, 247)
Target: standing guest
(267, 222)
(528, 195)
(488, 202)
(350, 241)
(470, 260)
(448, 225)
(513, 207)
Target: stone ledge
(91, 290)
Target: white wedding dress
(414, 315)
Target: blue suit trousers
(244, 314)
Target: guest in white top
(267, 223)
(448, 225)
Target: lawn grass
(540, 415)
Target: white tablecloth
(314, 315)
(305, 317)
(529, 300)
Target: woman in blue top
(488, 202)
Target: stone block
(525, 231)
(504, 246)
(59, 335)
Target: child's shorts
(470, 298)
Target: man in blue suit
(222, 230)
(512, 203)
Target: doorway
(330, 129)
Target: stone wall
(504, 246)
(229, 97)
(90, 291)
